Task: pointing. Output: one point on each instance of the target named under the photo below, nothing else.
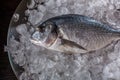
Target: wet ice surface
(42, 64)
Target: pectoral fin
(70, 46)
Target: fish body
(74, 33)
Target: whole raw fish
(74, 33)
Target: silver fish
(74, 33)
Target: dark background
(7, 8)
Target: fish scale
(87, 31)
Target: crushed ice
(43, 64)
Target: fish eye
(48, 28)
(41, 29)
(45, 27)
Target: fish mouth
(36, 42)
(48, 42)
(35, 38)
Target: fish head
(45, 34)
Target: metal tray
(12, 32)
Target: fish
(74, 33)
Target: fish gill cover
(42, 64)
